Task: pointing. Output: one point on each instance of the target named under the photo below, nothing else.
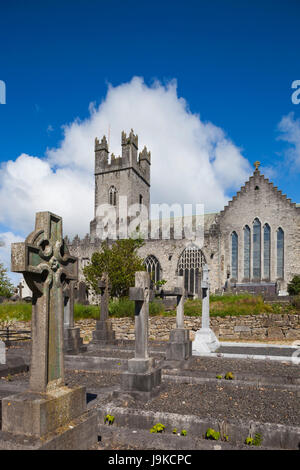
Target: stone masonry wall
(246, 327)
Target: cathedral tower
(128, 175)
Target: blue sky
(234, 63)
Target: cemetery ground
(260, 399)
(203, 402)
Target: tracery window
(267, 251)
(190, 265)
(256, 249)
(153, 268)
(280, 253)
(112, 196)
(247, 248)
(234, 255)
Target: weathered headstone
(82, 297)
(104, 333)
(142, 378)
(205, 339)
(2, 352)
(179, 346)
(72, 340)
(48, 406)
(20, 287)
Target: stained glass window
(256, 249)
(153, 268)
(267, 248)
(247, 247)
(189, 265)
(280, 253)
(234, 255)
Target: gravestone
(82, 295)
(72, 340)
(142, 379)
(104, 333)
(2, 352)
(49, 412)
(179, 346)
(20, 287)
(205, 339)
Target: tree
(294, 286)
(120, 261)
(6, 287)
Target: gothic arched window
(189, 265)
(234, 255)
(256, 249)
(267, 251)
(247, 248)
(112, 196)
(153, 268)
(280, 253)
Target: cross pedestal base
(205, 341)
(73, 342)
(36, 414)
(79, 434)
(142, 380)
(104, 334)
(179, 346)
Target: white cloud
(290, 132)
(192, 161)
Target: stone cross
(179, 291)
(20, 287)
(69, 305)
(141, 295)
(143, 378)
(256, 165)
(105, 287)
(205, 339)
(205, 297)
(47, 266)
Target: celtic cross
(47, 267)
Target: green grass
(226, 305)
(15, 311)
(230, 305)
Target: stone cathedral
(252, 245)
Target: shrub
(109, 419)
(229, 376)
(212, 434)
(296, 302)
(256, 441)
(158, 428)
(294, 286)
